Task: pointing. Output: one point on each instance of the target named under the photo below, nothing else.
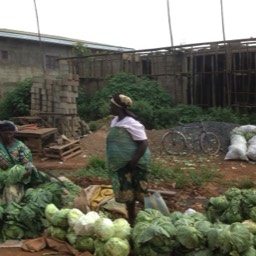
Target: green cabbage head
(116, 246)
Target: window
(4, 55)
(51, 62)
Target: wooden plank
(71, 155)
(58, 147)
(163, 192)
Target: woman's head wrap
(7, 126)
(123, 102)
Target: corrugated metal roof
(58, 40)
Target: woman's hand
(3, 166)
(27, 173)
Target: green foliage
(145, 113)
(187, 113)
(223, 114)
(138, 88)
(95, 168)
(79, 49)
(16, 102)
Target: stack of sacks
(243, 143)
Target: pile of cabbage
(25, 220)
(235, 205)
(191, 234)
(92, 231)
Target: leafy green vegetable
(116, 246)
(60, 218)
(57, 232)
(84, 243)
(49, 211)
(189, 237)
(104, 228)
(122, 228)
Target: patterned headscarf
(7, 126)
(124, 102)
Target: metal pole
(169, 21)
(39, 36)
(222, 19)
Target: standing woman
(128, 155)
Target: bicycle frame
(192, 139)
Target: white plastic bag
(251, 150)
(237, 149)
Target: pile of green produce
(191, 234)
(235, 205)
(92, 231)
(25, 219)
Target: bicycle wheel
(174, 142)
(210, 143)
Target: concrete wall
(25, 59)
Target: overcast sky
(138, 24)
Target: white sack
(251, 150)
(237, 149)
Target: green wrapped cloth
(127, 186)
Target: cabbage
(201, 252)
(250, 252)
(84, 226)
(252, 213)
(13, 231)
(71, 237)
(60, 218)
(232, 193)
(176, 215)
(189, 237)
(148, 215)
(84, 243)
(99, 248)
(203, 226)
(117, 247)
(233, 213)
(49, 211)
(184, 221)
(153, 238)
(73, 215)
(235, 237)
(104, 228)
(122, 228)
(251, 225)
(219, 203)
(57, 232)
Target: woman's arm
(142, 146)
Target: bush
(223, 114)
(16, 102)
(138, 88)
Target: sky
(137, 24)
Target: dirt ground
(189, 197)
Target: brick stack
(55, 99)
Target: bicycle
(176, 142)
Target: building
(212, 74)
(24, 55)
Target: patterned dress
(19, 153)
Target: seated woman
(14, 152)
